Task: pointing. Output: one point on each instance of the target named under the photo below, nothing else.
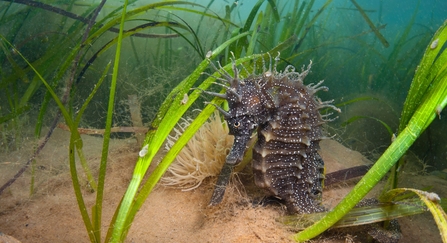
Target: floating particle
(393, 137)
(434, 44)
(143, 151)
(185, 99)
(438, 111)
(209, 54)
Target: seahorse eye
(237, 124)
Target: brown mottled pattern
(285, 158)
(286, 115)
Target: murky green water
(367, 52)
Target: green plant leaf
(360, 215)
(435, 99)
(424, 75)
(431, 200)
(169, 113)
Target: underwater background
(366, 52)
(371, 65)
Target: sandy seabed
(169, 214)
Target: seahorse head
(246, 112)
(246, 109)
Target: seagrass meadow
(108, 131)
